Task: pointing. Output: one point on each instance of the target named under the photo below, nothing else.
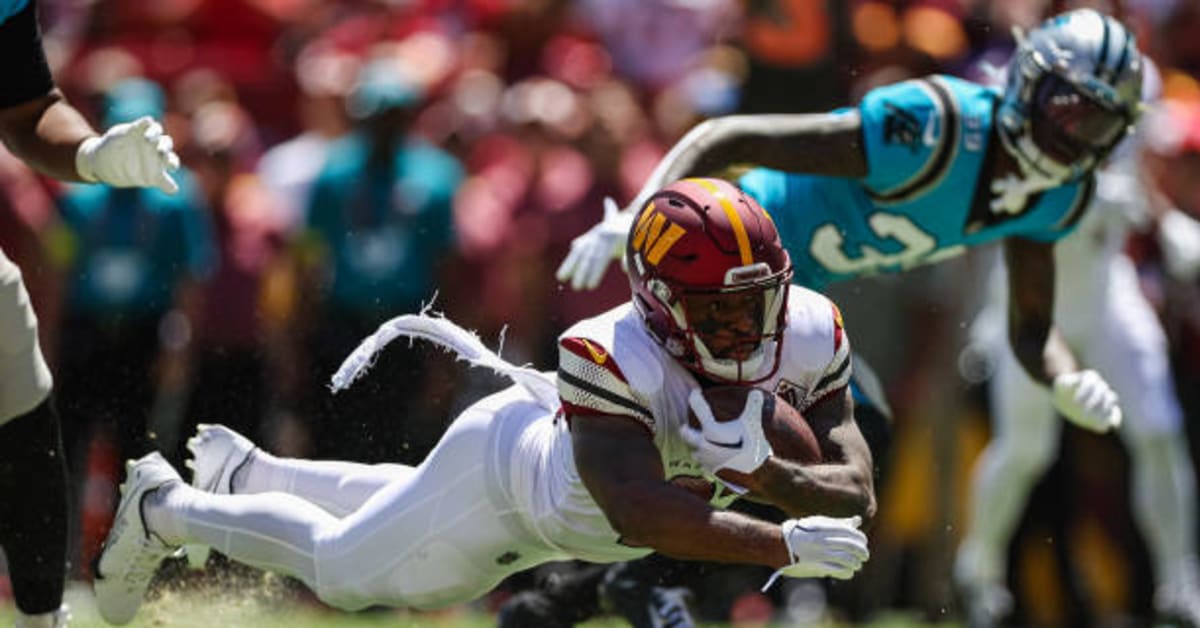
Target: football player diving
(920, 170)
(587, 463)
(47, 133)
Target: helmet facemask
(731, 333)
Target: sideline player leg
(33, 473)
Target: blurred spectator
(378, 235)
(289, 168)
(133, 259)
(654, 43)
(798, 50)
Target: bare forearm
(1035, 341)
(814, 143)
(835, 490)
(685, 527)
(45, 133)
(1042, 352)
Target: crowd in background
(346, 161)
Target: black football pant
(33, 508)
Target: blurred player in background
(582, 466)
(50, 135)
(1104, 316)
(922, 169)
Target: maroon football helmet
(710, 278)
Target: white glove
(822, 547)
(133, 154)
(739, 444)
(1087, 401)
(592, 252)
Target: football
(785, 428)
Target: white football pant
(359, 535)
(1123, 340)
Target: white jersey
(610, 365)
(1091, 265)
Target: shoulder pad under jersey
(605, 367)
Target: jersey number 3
(919, 247)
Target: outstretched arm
(46, 133)
(41, 128)
(622, 470)
(1081, 395)
(1035, 341)
(825, 143)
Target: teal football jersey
(923, 198)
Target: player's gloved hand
(592, 252)
(822, 547)
(739, 445)
(133, 154)
(1087, 400)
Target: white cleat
(132, 552)
(217, 453)
(58, 618)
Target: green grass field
(205, 608)
(202, 608)
(251, 599)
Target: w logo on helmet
(651, 239)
